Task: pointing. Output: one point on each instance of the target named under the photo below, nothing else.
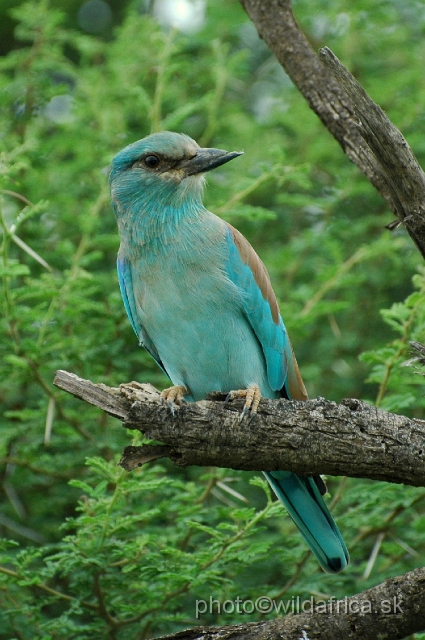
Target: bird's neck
(151, 222)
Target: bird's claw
(252, 397)
(231, 396)
(246, 411)
(173, 397)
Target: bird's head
(164, 168)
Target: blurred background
(89, 551)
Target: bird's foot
(173, 397)
(252, 397)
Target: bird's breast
(193, 314)
(184, 279)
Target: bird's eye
(151, 161)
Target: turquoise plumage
(200, 301)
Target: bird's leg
(253, 397)
(174, 396)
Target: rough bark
(359, 125)
(318, 436)
(391, 610)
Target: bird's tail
(301, 497)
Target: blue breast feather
(126, 288)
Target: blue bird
(200, 301)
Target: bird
(201, 303)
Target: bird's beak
(207, 159)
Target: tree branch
(393, 609)
(318, 436)
(359, 125)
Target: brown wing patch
(296, 387)
(258, 269)
(295, 383)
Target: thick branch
(317, 436)
(393, 609)
(402, 174)
(357, 123)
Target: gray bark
(318, 436)
(360, 126)
(391, 610)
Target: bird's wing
(126, 287)
(248, 273)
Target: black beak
(207, 159)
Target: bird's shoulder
(242, 251)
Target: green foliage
(138, 550)
(89, 551)
(398, 388)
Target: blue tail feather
(301, 498)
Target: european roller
(200, 301)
